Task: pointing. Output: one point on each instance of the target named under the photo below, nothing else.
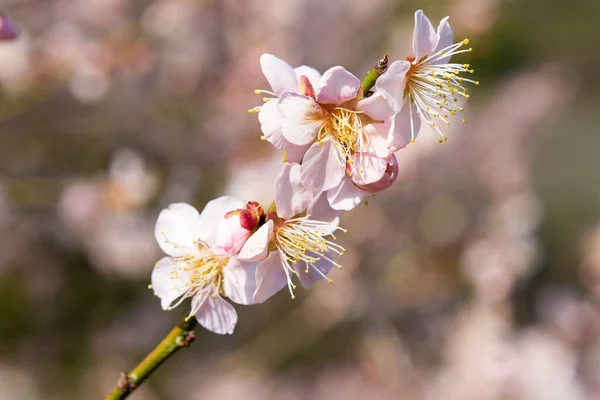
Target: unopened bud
(388, 178)
(7, 29)
(236, 227)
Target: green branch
(181, 336)
(374, 73)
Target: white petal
(378, 134)
(281, 75)
(320, 210)
(424, 37)
(301, 118)
(308, 279)
(217, 315)
(270, 277)
(239, 281)
(321, 169)
(337, 86)
(376, 107)
(312, 74)
(177, 228)
(445, 39)
(392, 83)
(346, 196)
(257, 245)
(214, 212)
(291, 197)
(405, 126)
(167, 286)
(270, 123)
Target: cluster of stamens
(304, 240)
(200, 273)
(345, 128)
(434, 89)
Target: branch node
(188, 339)
(125, 383)
(382, 64)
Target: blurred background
(476, 276)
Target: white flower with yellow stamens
(297, 238)
(427, 86)
(194, 270)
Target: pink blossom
(426, 86)
(235, 228)
(293, 239)
(193, 270)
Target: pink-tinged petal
(270, 277)
(307, 280)
(239, 281)
(281, 75)
(445, 39)
(424, 37)
(321, 168)
(388, 178)
(271, 126)
(213, 214)
(301, 118)
(291, 197)
(178, 228)
(367, 168)
(378, 136)
(346, 196)
(257, 246)
(294, 153)
(217, 315)
(376, 107)
(312, 74)
(320, 210)
(167, 285)
(337, 86)
(271, 123)
(405, 127)
(392, 83)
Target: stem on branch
(181, 336)
(374, 73)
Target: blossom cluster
(339, 138)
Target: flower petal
(312, 74)
(281, 75)
(321, 169)
(301, 118)
(213, 214)
(367, 168)
(217, 315)
(177, 229)
(239, 281)
(320, 210)
(166, 285)
(270, 277)
(291, 197)
(346, 196)
(392, 83)
(405, 127)
(376, 107)
(257, 245)
(424, 37)
(271, 123)
(445, 39)
(337, 86)
(307, 279)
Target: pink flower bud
(389, 176)
(235, 228)
(7, 29)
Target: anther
(149, 286)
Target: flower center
(345, 127)
(198, 274)
(304, 240)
